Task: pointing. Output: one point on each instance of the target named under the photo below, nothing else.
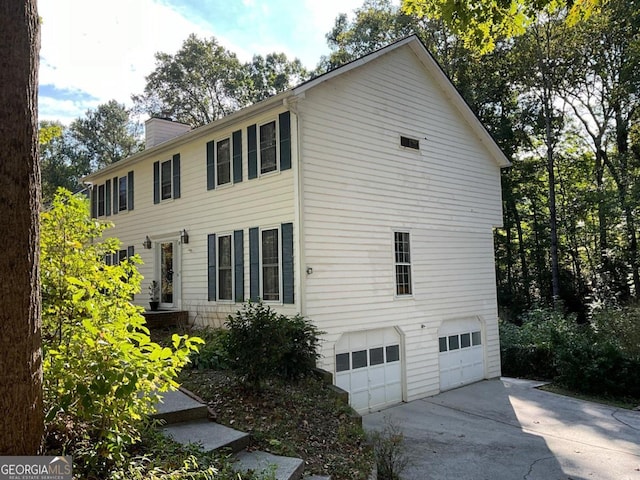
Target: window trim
(231, 267)
(397, 264)
(261, 263)
(276, 146)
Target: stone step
(317, 477)
(177, 407)
(209, 435)
(283, 468)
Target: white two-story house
(364, 199)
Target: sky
(94, 51)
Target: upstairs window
(122, 193)
(402, 263)
(165, 182)
(166, 179)
(113, 196)
(268, 159)
(223, 162)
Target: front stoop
(285, 468)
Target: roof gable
(441, 79)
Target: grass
(626, 403)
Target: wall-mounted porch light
(147, 243)
(184, 236)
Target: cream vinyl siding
(267, 201)
(359, 186)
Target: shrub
(102, 374)
(262, 343)
(389, 450)
(212, 353)
(599, 357)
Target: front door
(167, 273)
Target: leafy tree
(21, 425)
(272, 74)
(481, 23)
(60, 165)
(104, 136)
(102, 373)
(204, 81)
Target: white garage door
(368, 366)
(461, 353)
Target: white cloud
(106, 48)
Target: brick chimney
(158, 130)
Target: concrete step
(209, 435)
(283, 468)
(178, 407)
(317, 477)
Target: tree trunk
(21, 411)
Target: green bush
(102, 374)
(262, 343)
(212, 354)
(600, 357)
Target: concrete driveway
(507, 429)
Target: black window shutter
(176, 175)
(254, 264)
(287, 263)
(116, 191)
(252, 142)
(107, 201)
(115, 259)
(94, 201)
(285, 141)
(237, 156)
(131, 251)
(130, 190)
(211, 262)
(156, 182)
(238, 262)
(211, 166)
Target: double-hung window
(223, 162)
(270, 265)
(268, 158)
(165, 180)
(122, 193)
(225, 267)
(101, 200)
(402, 252)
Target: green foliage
(262, 343)
(389, 450)
(599, 357)
(101, 371)
(204, 81)
(481, 24)
(212, 354)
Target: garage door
(461, 353)
(368, 366)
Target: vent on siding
(410, 143)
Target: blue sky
(95, 50)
